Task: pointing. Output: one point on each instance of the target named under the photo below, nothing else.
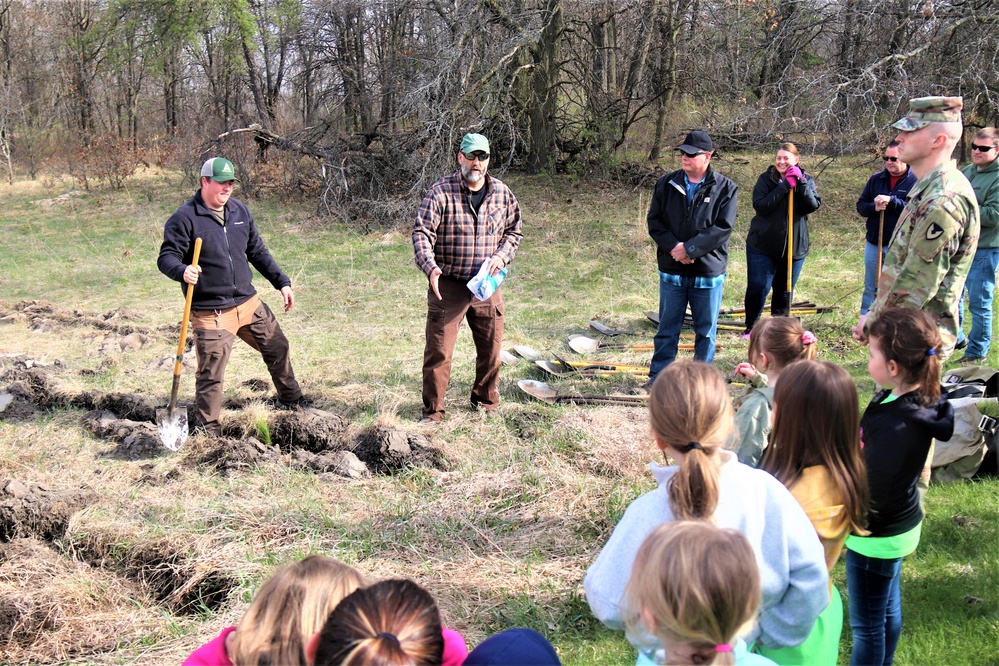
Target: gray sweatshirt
(794, 580)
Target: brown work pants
(485, 320)
(214, 333)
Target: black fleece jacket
(227, 252)
(896, 438)
(768, 228)
(703, 227)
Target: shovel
(172, 422)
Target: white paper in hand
(484, 285)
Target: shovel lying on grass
(172, 421)
(546, 393)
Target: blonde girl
(696, 587)
(773, 344)
(815, 451)
(897, 429)
(289, 608)
(692, 421)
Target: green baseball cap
(219, 169)
(926, 110)
(472, 143)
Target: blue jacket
(227, 252)
(703, 227)
(878, 184)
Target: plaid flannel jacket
(448, 235)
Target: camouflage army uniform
(931, 251)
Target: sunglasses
(686, 154)
(982, 149)
(891, 159)
(477, 155)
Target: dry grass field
(120, 552)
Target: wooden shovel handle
(179, 361)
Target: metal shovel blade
(172, 427)
(584, 345)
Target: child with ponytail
(692, 420)
(774, 343)
(897, 430)
(695, 587)
(815, 452)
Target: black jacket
(703, 227)
(768, 228)
(227, 252)
(880, 183)
(896, 438)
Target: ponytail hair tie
(724, 647)
(808, 338)
(931, 352)
(389, 636)
(694, 445)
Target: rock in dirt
(234, 455)
(314, 430)
(385, 450)
(28, 509)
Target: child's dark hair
(910, 338)
(817, 422)
(783, 339)
(391, 623)
(690, 410)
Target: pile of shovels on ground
(732, 319)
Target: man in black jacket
(691, 218)
(225, 305)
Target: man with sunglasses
(983, 172)
(931, 250)
(881, 203)
(690, 218)
(466, 219)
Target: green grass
(504, 535)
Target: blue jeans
(764, 273)
(980, 287)
(875, 608)
(704, 295)
(871, 264)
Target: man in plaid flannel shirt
(466, 219)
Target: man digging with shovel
(225, 305)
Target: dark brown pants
(214, 333)
(485, 320)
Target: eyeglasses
(982, 149)
(686, 154)
(477, 155)
(891, 159)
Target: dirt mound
(230, 455)
(137, 440)
(31, 510)
(29, 388)
(53, 607)
(174, 574)
(122, 405)
(386, 450)
(46, 317)
(314, 430)
(337, 463)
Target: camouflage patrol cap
(926, 110)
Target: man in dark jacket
(691, 218)
(225, 305)
(884, 195)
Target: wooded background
(362, 105)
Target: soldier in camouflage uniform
(937, 234)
